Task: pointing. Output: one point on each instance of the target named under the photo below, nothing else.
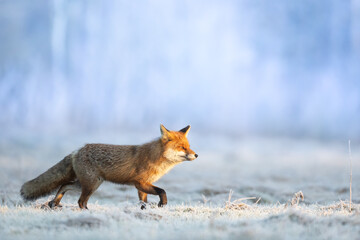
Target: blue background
(245, 67)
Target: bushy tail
(47, 182)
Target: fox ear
(185, 130)
(164, 132)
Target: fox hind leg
(87, 189)
(62, 190)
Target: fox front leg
(151, 189)
(143, 199)
(142, 196)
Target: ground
(238, 188)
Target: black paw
(143, 205)
(52, 204)
(161, 204)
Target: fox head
(176, 145)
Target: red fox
(138, 165)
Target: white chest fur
(160, 170)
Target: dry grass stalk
(205, 200)
(296, 199)
(341, 205)
(350, 158)
(237, 204)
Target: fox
(138, 165)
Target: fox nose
(196, 155)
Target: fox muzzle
(191, 157)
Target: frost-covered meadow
(76, 72)
(207, 197)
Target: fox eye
(183, 148)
